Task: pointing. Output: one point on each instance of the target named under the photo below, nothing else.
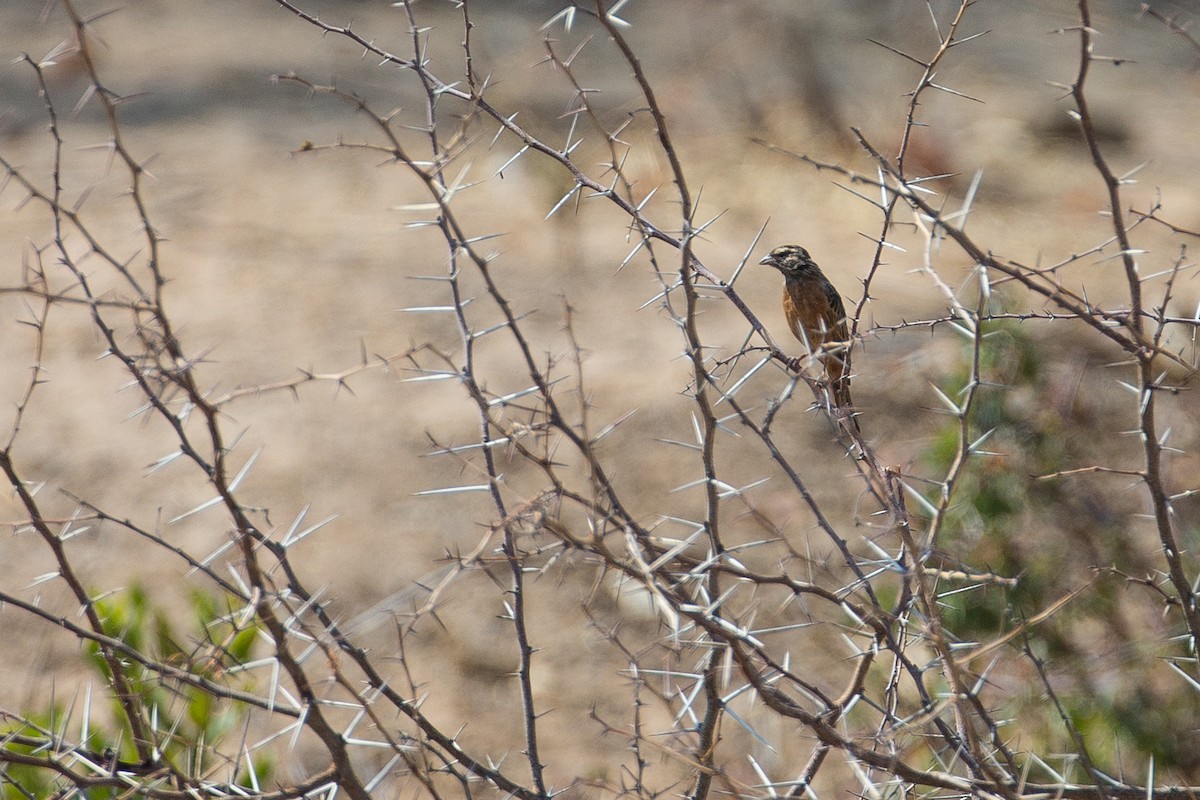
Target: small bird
(816, 316)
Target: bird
(816, 316)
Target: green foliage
(996, 494)
(189, 722)
(22, 781)
(1006, 520)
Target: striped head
(793, 261)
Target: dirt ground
(281, 260)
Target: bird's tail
(839, 390)
(842, 401)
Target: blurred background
(282, 260)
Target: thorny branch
(739, 622)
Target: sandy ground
(280, 261)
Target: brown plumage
(816, 316)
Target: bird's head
(790, 259)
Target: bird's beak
(769, 261)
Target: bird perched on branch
(817, 317)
